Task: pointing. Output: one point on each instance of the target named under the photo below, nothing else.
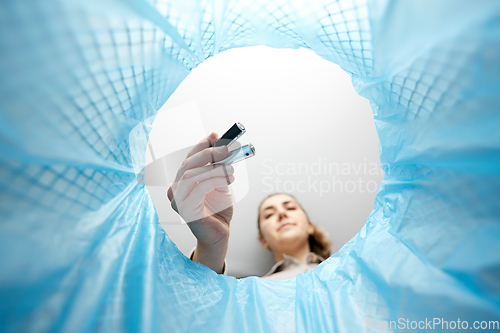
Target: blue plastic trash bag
(80, 244)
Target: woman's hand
(200, 194)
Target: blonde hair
(318, 241)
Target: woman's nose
(281, 214)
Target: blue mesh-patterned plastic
(80, 245)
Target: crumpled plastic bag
(81, 247)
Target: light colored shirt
(287, 268)
(290, 266)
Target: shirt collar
(289, 261)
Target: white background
(302, 115)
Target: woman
(201, 196)
(284, 228)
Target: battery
(231, 135)
(239, 154)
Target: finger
(193, 176)
(201, 158)
(170, 193)
(208, 155)
(213, 170)
(222, 189)
(204, 143)
(197, 196)
(173, 204)
(170, 196)
(207, 186)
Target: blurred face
(282, 222)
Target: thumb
(219, 153)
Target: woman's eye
(291, 208)
(268, 216)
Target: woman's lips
(284, 225)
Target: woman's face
(283, 221)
